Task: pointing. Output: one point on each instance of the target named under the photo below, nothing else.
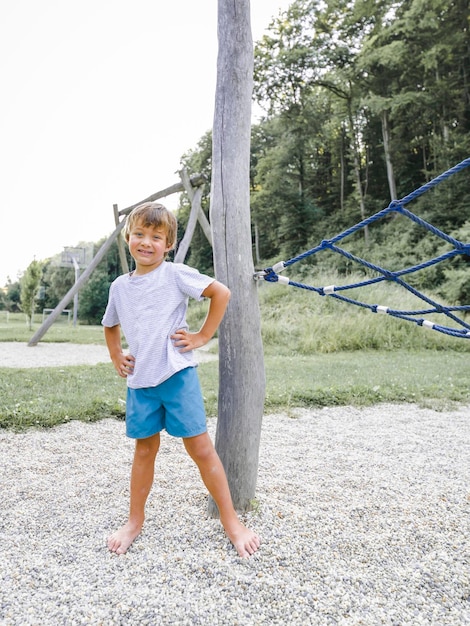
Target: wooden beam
(120, 244)
(201, 216)
(190, 226)
(75, 288)
(196, 180)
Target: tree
(94, 297)
(241, 367)
(11, 296)
(29, 289)
(94, 294)
(414, 66)
(297, 61)
(281, 202)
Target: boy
(149, 305)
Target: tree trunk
(241, 366)
(343, 169)
(386, 134)
(357, 171)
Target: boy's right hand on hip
(124, 365)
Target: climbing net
(272, 274)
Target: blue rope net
(271, 274)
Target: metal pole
(75, 298)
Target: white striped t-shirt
(150, 308)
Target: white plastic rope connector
(329, 290)
(382, 309)
(279, 267)
(428, 324)
(283, 280)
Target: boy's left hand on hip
(187, 341)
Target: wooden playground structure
(194, 187)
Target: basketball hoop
(76, 258)
(70, 256)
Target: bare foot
(120, 541)
(244, 540)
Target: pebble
(364, 516)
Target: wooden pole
(196, 180)
(190, 226)
(201, 216)
(73, 290)
(241, 363)
(120, 244)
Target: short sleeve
(191, 281)
(110, 317)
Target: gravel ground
(364, 516)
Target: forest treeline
(364, 101)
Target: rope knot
(464, 248)
(270, 275)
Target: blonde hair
(153, 215)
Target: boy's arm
(123, 363)
(219, 296)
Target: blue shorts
(175, 405)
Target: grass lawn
(317, 353)
(44, 397)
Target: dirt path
(16, 354)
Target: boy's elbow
(224, 295)
(222, 290)
(217, 290)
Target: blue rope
(271, 274)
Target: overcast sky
(100, 99)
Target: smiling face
(150, 232)
(148, 246)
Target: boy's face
(148, 247)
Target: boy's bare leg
(143, 468)
(202, 451)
